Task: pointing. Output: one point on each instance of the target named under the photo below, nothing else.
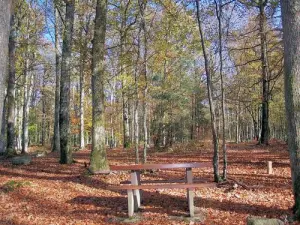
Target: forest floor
(45, 192)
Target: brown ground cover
(50, 193)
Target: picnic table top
(161, 166)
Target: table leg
(130, 203)
(136, 180)
(190, 191)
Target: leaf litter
(66, 194)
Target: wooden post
(269, 167)
(190, 192)
(130, 203)
(135, 180)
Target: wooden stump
(269, 167)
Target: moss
(13, 185)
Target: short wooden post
(269, 167)
(135, 180)
(190, 192)
(130, 202)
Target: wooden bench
(136, 184)
(132, 207)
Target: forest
(92, 84)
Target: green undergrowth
(13, 185)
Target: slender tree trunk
(291, 40)
(5, 11)
(142, 5)
(219, 17)
(19, 118)
(136, 116)
(26, 90)
(237, 125)
(112, 142)
(83, 55)
(264, 138)
(99, 160)
(211, 105)
(43, 109)
(125, 100)
(11, 100)
(193, 110)
(64, 110)
(56, 138)
(136, 127)
(26, 96)
(3, 129)
(136, 101)
(81, 111)
(131, 118)
(125, 105)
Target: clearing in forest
(46, 192)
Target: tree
(64, 110)
(219, 17)
(142, 6)
(210, 99)
(56, 137)
(264, 137)
(265, 70)
(5, 11)
(123, 30)
(98, 155)
(291, 40)
(11, 88)
(27, 89)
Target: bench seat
(168, 181)
(162, 186)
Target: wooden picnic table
(133, 189)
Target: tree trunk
(98, 155)
(264, 138)
(26, 96)
(112, 139)
(64, 110)
(5, 11)
(83, 55)
(193, 112)
(142, 6)
(19, 119)
(210, 99)
(81, 110)
(125, 100)
(126, 135)
(56, 138)
(3, 129)
(219, 17)
(43, 109)
(136, 116)
(136, 127)
(291, 40)
(237, 123)
(26, 104)
(11, 100)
